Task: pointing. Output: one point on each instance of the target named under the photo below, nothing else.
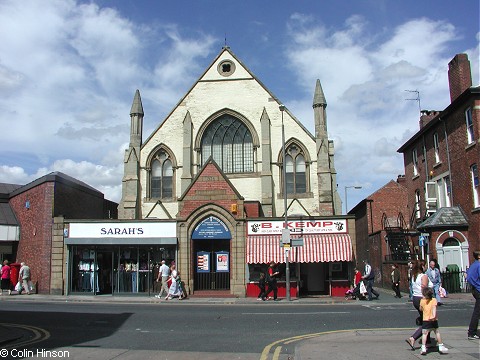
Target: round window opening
(226, 68)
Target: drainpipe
(424, 150)
(448, 160)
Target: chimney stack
(459, 75)
(427, 116)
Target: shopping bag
(363, 289)
(442, 292)
(18, 287)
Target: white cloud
(364, 83)
(102, 178)
(68, 79)
(13, 175)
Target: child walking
(430, 322)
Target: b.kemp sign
(337, 226)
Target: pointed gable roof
(211, 74)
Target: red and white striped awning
(316, 248)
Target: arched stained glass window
(161, 183)
(230, 143)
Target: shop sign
(337, 226)
(211, 228)
(203, 262)
(121, 230)
(222, 261)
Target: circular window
(226, 68)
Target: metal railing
(212, 281)
(455, 281)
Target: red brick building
(441, 173)
(382, 232)
(37, 210)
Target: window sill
(414, 177)
(307, 195)
(242, 175)
(437, 164)
(476, 210)
(471, 145)
(154, 200)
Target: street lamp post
(346, 198)
(285, 224)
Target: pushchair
(359, 292)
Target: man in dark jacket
(369, 277)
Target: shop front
(9, 237)
(320, 255)
(117, 257)
(211, 243)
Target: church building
(213, 175)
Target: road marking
(297, 313)
(277, 352)
(286, 341)
(39, 334)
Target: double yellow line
(39, 334)
(278, 344)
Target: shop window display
(117, 269)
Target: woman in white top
(174, 290)
(419, 281)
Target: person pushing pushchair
(359, 291)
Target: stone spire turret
(324, 171)
(129, 207)
(319, 97)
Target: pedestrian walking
(24, 275)
(271, 278)
(262, 286)
(5, 278)
(419, 281)
(174, 290)
(473, 278)
(395, 275)
(163, 274)
(435, 278)
(369, 277)
(409, 272)
(428, 306)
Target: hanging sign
(203, 261)
(222, 261)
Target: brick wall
(47, 200)
(35, 231)
(209, 187)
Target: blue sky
(69, 70)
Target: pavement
(350, 344)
